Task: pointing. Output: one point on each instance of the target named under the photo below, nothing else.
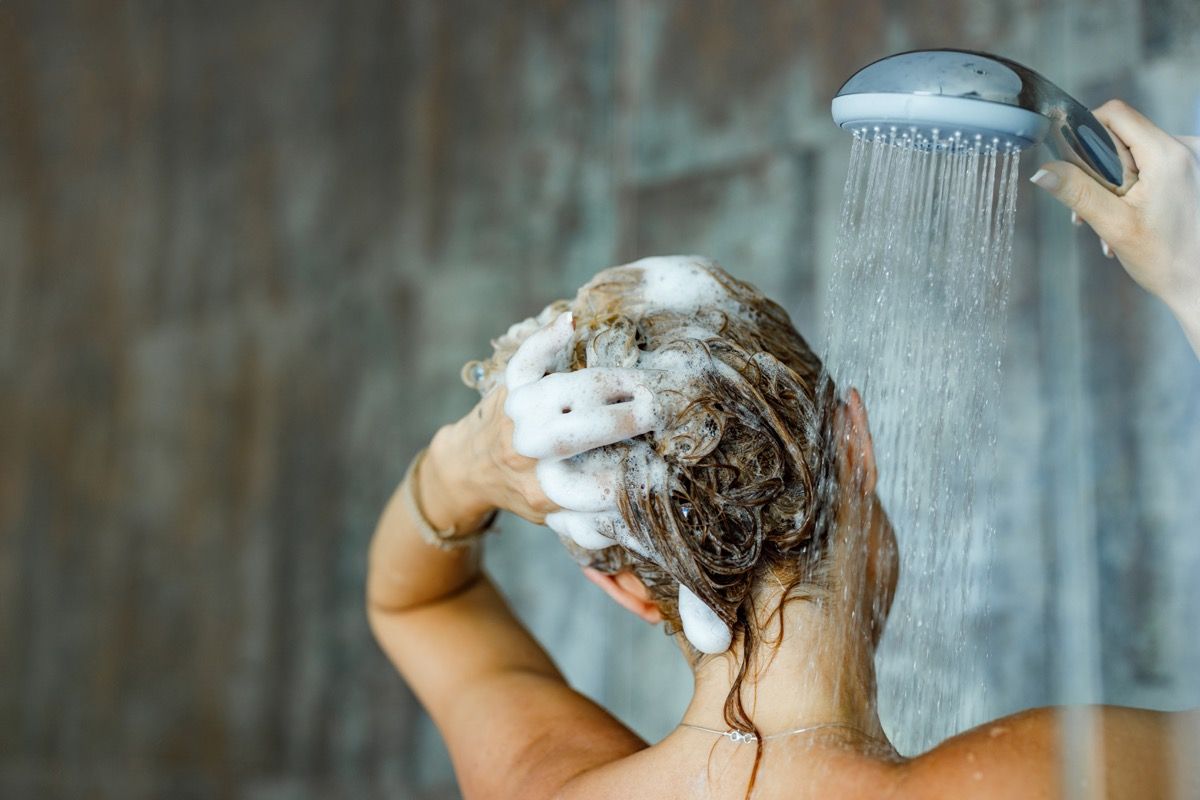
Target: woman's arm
(513, 726)
(469, 471)
(1155, 228)
(405, 571)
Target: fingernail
(1075, 220)
(1046, 179)
(1108, 253)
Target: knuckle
(1117, 233)
(536, 500)
(1075, 195)
(1125, 230)
(511, 459)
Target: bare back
(1018, 756)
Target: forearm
(404, 571)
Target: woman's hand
(531, 427)
(474, 460)
(474, 463)
(1155, 228)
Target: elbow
(380, 611)
(383, 601)
(375, 618)
(376, 612)
(381, 598)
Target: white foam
(701, 625)
(523, 329)
(562, 418)
(597, 531)
(680, 284)
(543, 351)
(588, 481)
(586, 530)
(567, 413)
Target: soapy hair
(751, 467)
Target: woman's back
(1017, 757)
(681, 768)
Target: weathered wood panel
(244, 247)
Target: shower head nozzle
(947, 97)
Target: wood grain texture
(245, 247)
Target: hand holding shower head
(941, 96)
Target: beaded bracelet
(449, 539)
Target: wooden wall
(245, 247)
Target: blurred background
(245, 248)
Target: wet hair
(750, 463)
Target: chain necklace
(748, 737)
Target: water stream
(916, 310)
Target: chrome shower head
(953, 97)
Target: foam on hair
(726, 486)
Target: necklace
(747, 737)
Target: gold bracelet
(449, 539)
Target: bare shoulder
(1020, 756)
(1014, 756)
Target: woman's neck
(821, 672)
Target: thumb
(1078, 191)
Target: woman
(677, 434)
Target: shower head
(958, 97)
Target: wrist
(446, 492)
(1185, 305)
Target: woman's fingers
(585, 482)
(586, 530)
(1143, 138)
(1152, 229)
(568, 413)
(544, 351)
(597, 531)
(591, 481)
(568, 392)
(1110, 217)
(565, 434)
